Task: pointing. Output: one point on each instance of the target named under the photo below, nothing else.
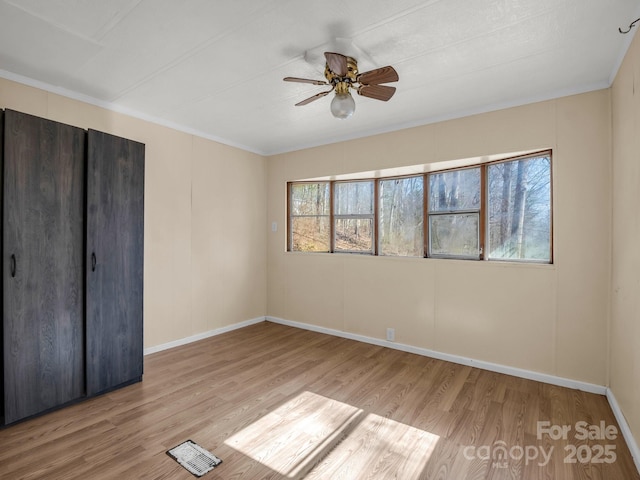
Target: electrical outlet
(391, 334)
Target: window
(353, 217)
(309, 220)
(400, 218)
(519, 204)
(454, 213)
(500, 210)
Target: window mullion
(425, 214)
(483, 210)
(289, 218)
(332, 228)
(376, 190)
(455, 212)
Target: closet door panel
(44, 167)
(115, 250)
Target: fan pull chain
(631, 25)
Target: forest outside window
(454, 213)
(309, 217)
(519, 204)
(499, 210)
(400, 218)
(353, 219)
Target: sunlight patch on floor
(311, 431)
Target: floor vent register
(194, 458)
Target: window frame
(541, 153)
(290, 214)
(482, 212)
(424, 203)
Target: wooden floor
(276, 402)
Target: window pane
(310, 234)
(519, 204)
(455, 190)
(455, 234)
(354, 198)
(309, 222)
(354, 234)
(401, 217)
(310, 199)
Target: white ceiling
(215, 68)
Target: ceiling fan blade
(305, 80)
(315, 97)
(379, 75)
(337, 63)
(379, 92)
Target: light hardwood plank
(275, 402)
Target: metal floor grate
(194, 458)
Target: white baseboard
(202, 336)
(624, 427)
(494, 367)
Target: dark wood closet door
(115, 249)
(44, 167)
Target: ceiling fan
(342, 74)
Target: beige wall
(204, 256)
(625, 285)
(546, 318)
(205, 263)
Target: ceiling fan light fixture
(341, 74)
(343, 105)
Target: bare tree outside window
(519, 204)
(309, 221)
(454, 213)
(354, 216)
(400, 217)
